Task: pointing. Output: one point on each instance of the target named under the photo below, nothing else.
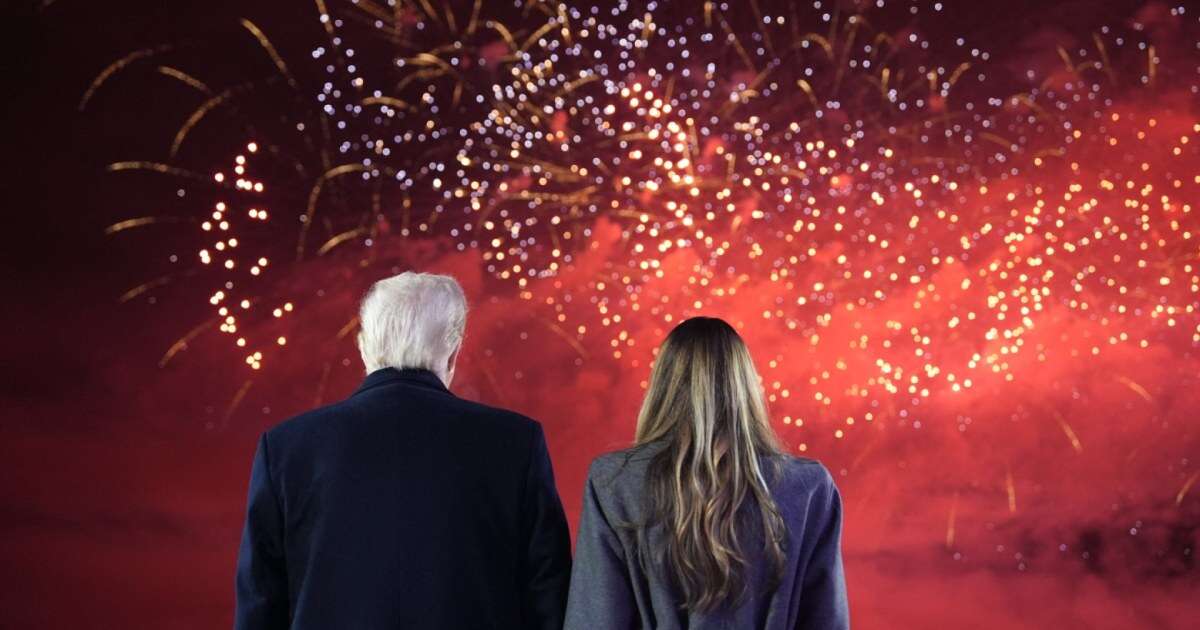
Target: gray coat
(610, 589)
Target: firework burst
(903, 210)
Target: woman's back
(707, 523)
(612, 587)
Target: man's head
(413, 320)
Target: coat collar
(410, 376)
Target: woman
(705, 523)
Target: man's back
(403, 507)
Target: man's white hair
(412, 320)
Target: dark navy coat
(403, 506)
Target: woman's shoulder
(618, 461)
(622, 472)
(802, 475)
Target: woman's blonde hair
(705, 404)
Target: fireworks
(905, 212)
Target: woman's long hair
(705, 403)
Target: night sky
(1055, 489)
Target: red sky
(122, 485)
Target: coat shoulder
(316, 422)
(305, 423)
(616, 463)
(504, 417)
(798, 477)
(619, 477)
(806, 469)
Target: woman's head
(705, 404)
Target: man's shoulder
(486, 421)
(498, 414)
(327, 418)
(307, 422)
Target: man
(404, 506)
